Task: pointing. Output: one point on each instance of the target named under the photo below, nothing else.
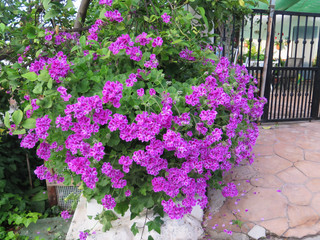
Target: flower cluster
(65, 214)
(152, 63)
(108, 202)
(112, 93)
(187, 54)
(114, 16)
(166, 17)
(64, 95)
(57, 66)
(106, 2)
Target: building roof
(310, 6)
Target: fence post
(267, 66)
(316, 89)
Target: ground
(280, 191)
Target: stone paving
(280, 191)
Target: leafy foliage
(164, 51)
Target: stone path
(280, 191)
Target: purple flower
(157, 42)
(108, 202)
(142, 39)
(152, 92)
(65, 214)
(165, 18)
(127, 193)
(106, 2)
(83, 235)
(140, 92)
(230, 190)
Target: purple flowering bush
(138, 110)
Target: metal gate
(293, 70)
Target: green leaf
(19, 132)
(241, 2)
(51, 14)
(2, 27)
(29, 123)
(82, 41)
(45, 4)
(203, 15)
(7, 120)
(177, 41)
(264, 1)
(38, 53)
(17, 117)
(32, 76)
(74, 48)
(134, 229)
(155, 225)
(122, 207)
(212, 56)
(150, 237)
(38, 88)
(50, 83)
(83, 86)
(69, 4)
(44, 75)
(114, 140)
(39, 197)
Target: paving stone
(222, 219)
(302, 231)
(292, 175)
(312, 238)
(277, 226)
(297, 194)
(314, 185)
(271, 164)
(257, 232)
(302, 216)
(286, 136)
(312, 156)
(310, 169)
(315, 203)
(266, 180)
(224, 236)
(288, 158)
(308, 142)
(242, 173)
(289, 151)
(261, 150)
(257, 200)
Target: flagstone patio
(280, 191)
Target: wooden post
(52, 195)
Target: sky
(76, 3)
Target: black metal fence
(293, 70)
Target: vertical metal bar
(259, 40)
(316, 90)
(287, 113)
(279, 65)
(250, 39)
(241, 42)
(308, 92)
(295, 61)
(303, 73)
(312, 41)
(232, 39)
(313, 75)
(224, 42)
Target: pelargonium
(131, 132)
